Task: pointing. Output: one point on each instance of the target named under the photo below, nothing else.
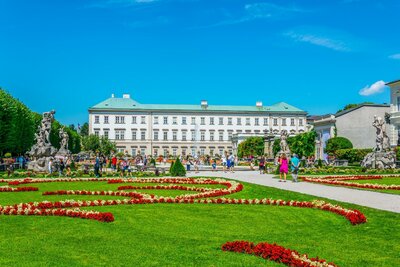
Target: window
(174, 120)
(202, 151)
(183, 120)
(174, 135)
(221, 136)
(156, 135)
(292, 122)
(221, 121)
(211, 152)
(202, 121)
(165, 135)
(284, 122)
(134, 120)
(165, 152)
(156, 120)
(221, 151)
(96, 132)
(229, 121)
(142, 151)
(165, 120)
(230, 133)
(183, 151)
(203, 136)
(133, 151)
(239, 121)
(143, 120)
(193, 138)
(143, 135)
(119, 119)
(120, 135)
(265, 121)
(106, 134)
(301, 122)
(134, 135)
(183, 136)
(193, 120)
(193, 151)
(211, 120)
(275, 122)
(247, 121)
(155, 152)
(174, 152)
(105, 119)
(398, 103)
(96, 119)
(211, 136)
(256, 121)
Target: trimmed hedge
(178, 169)
(352, 155)
(337, 143)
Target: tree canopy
(301, 144)
(252, 146)
(18, 125)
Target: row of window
(183, 151)
(211, 120)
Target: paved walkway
(376, 200)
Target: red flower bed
(276, 253)
(17, 189)
(203, 196)
(343, 181)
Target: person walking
(262, 165)
(295, 164)
(97, 167)
(61, 167)
(50, 166)
(284, 167)
(114, 163)
(224, 163)
(231, 162)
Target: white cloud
(395, 56)
(324, 41)
(376, 88)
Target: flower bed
(202, 196)
(276, 253)
(17, 189)
(343, 181)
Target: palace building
(163, 129)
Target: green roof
(130, 105)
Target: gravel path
(376, 200)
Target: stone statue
(283, 144)
(382, 157)
(64, 139)
(382, 139)
(42, 151)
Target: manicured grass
(384, 181)
(191, 234)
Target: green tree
(350, 106)
(301, 144)
(85, 129)
(252, 146)
(178, 169)
(106, 146)
(337, 143)
(91, 143)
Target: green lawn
(191, 234)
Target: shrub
(337, 143)
(397, 149)
(170, 167)
(73, 166)
(7, 155)
(178, 169)
(352, 155)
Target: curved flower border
(274, 252)
(203, 196)
(342, 181)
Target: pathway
(376, 200)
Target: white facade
(394, 111)
(187, 129)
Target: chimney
(126, 96)
(259, 104)
(112, 95)
(204, 104)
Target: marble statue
(382, 157)
(283, 143)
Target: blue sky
(69, 55)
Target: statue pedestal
(380, 160)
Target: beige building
(394, 111)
